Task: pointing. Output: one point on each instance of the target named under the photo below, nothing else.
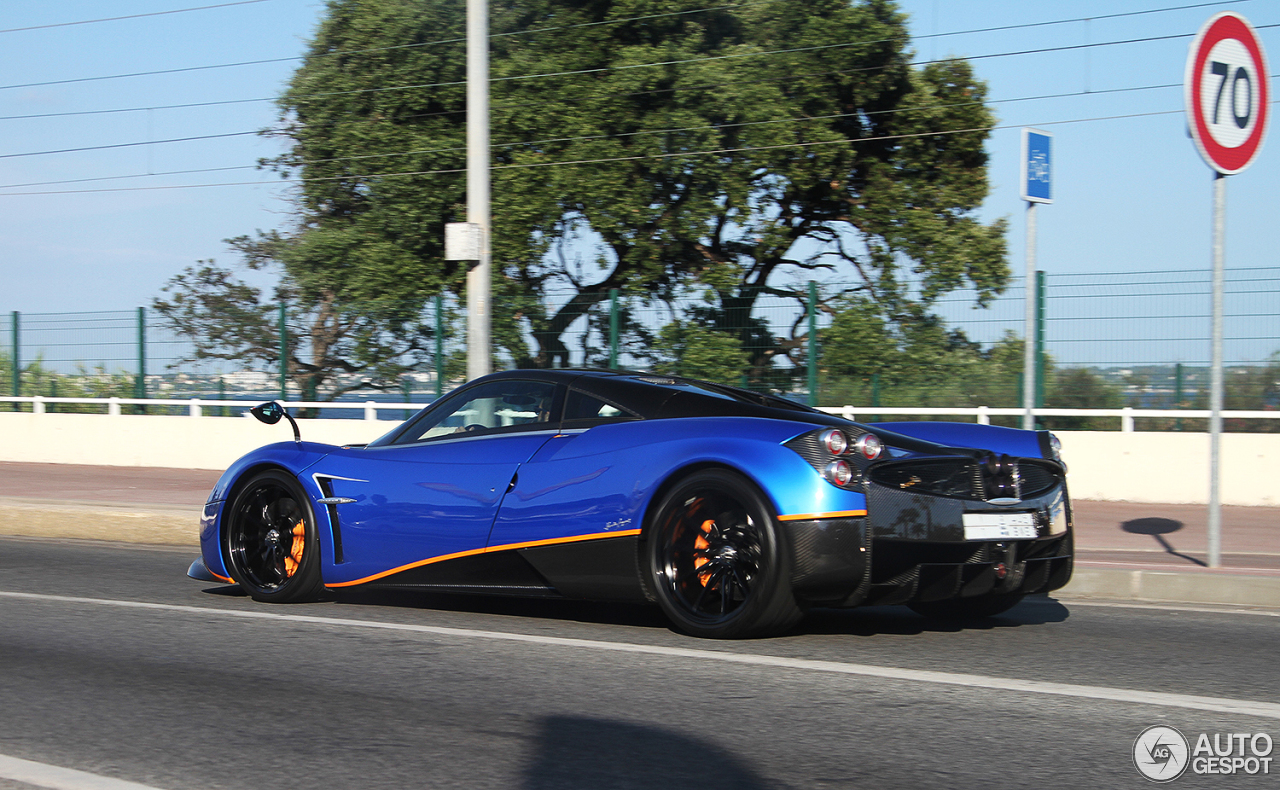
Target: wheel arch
(675, 476)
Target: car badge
(1004, 500)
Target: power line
(415, 45)
(803, 119)
(735, 55)
(1025, 25)
(130, 16)
(134, 109)
(606, 160)
(640, 65)
(455, 149)
(127, 145)
(578, 72)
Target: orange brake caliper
(295, 552)
(701, 544)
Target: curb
(151, 524)
(1172, 587)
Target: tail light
(834, 441)
(838, 472)
(869, 446)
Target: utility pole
(478, 277)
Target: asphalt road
(199, 687)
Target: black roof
(658, 396)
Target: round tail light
(838, 472)
(869, 445)
(834, 441)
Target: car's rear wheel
(271, 542)
(979, 606)
(715, 560)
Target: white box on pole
(463, 241)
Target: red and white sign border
(1227, 161)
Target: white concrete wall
(1135, 467)
(1171, 467)
(174, 442)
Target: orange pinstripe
(832, 514)
(487, 550)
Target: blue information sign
(1037, 166)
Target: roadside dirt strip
(128, 504)
(41, 518)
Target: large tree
(643, 145)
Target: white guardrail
(196, 406)
(984, 413)
(981, 414)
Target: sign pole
(1228, 101)
(1029, 326)
(1037, 187)
(1215, 370)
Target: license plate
(999, 526)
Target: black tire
(270, 540)
(715, 561)
(974, 608)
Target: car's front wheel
(270, 540)
(715, 560)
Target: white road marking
(1267, 710)
(58, 778)
(1171, 607)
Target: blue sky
(1132, 193)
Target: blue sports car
(732, 510)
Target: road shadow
(583, 753)
(861, 621)
(901, 621)
(1158, 528)
(599, 612)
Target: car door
(433, 493)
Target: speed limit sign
(1227, 96)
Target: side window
(494, 406)
(581, 406)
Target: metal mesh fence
(1122, 339)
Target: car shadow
(585, 753)
(901, 621)
(861, 621)
(1158, 528)
(599, 612)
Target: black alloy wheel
(270, 540)
(715, 561)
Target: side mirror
(271, 412)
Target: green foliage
(915, 361)
(332, 346)
(774, 140)
(37, 379)
(1081, 388)
(697, 352)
